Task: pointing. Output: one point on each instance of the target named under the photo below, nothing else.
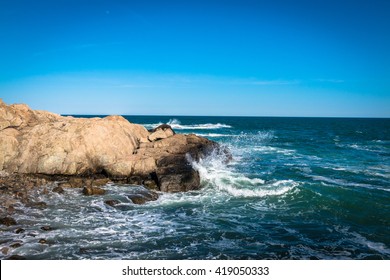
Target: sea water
(297, 188)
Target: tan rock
(39, 142)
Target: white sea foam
(367, 148)
(344, 183)
(176, 124)
(214, 135)
(358, 238)
(272, 150)
(219, 177)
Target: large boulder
(39, 142)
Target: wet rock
(76, 182)
(134, 180)
(100, 182)
(16, 245)
(39, 205)
(65, 185)
(19, 230)
(112, 202)
(45, 191)
(8, 221)
(151, 182)
(93, 191)
(177, 175)
(83, 250)
(4, 250)
(42, 241)
(46, 228)
(58, 190)
(16, 257)
(143, 197)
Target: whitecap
(223, 179)
(176, 124)
(214, 135)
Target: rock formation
(42, 143)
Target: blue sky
(260, 58)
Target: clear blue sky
(262, 58)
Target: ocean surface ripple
(297, 188)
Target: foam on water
(217, 175)
(176, 124)
(214, 135)
(270, 150)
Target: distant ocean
(297, 188)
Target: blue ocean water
(297, 188)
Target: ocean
(297, 188)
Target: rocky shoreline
(46, 152)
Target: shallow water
(297, 188)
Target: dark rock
(46, 228)
(112, 202)
(58, 190)
(39, 205)
(16, 245)
(16, 257)
(150, 184)
(83, 250)
(163, 127)
(93, 191)
(76, 182)
(135, 180)
(143, 197)
(4, 250)
(137, 199)
(8, 221)
(42, 241)
(176, 174)
(19, 230)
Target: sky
(228, 58)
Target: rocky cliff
(43, 143)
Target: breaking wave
(216, 175)
(176, 124)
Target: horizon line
(228, 116)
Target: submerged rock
(143, 197)
(46, 228)
(4, 250)
(19, 230)
(58, 190)
(42, 241)
(16, 245)
(39, 204)
(112, 202)
(8, 221)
